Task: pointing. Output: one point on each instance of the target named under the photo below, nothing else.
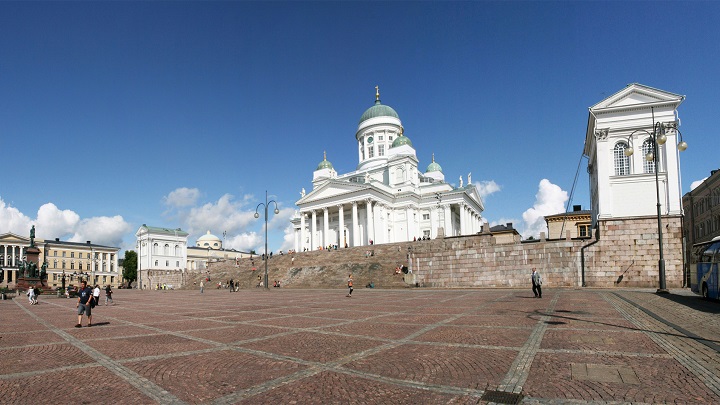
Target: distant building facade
(161, 251)
(577, 222)
(702, 213)
(387, 198)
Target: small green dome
(378, 110)
(433, 167)
(325, 164)
(401, 140)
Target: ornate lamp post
(657, 138)
(257, 215)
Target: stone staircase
(316, 269)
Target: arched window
(648, 166)
(155, 248)
(622, 162)
(177, 250)
(167, 250)
(156, 263)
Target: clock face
(370, 139)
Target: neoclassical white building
(387, 198)
(159, 250)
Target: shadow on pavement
(695, 302)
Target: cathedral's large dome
(378, 110)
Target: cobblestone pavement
(378, 347)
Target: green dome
(401, 140)
(325, 164)
(378, 110)
(433, 167)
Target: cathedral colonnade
(357, 223)
(11, 256)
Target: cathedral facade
(387, 198)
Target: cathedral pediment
(636, 95)
(331, 189)
(10, 238)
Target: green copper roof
(378, 110)
(433, 167)
(401, 140)
(325, 164)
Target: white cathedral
(386, 199)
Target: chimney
(509, 225)
(57, 239)
(88, 242)
(577, 208)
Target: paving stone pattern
(419, 346)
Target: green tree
(130, 266)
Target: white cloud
(182, 197)
(13, 220)
(550, 199)
(223, 215)
(696, 183)
(107, 231)
(52, 222)
(246, 242)
(487, 187)
(288, 238)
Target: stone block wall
(628, 253)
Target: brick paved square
(149, 345)
(462, 367)
(320, 347)
(91, 384)
(10, 339)
(619, 341)
(237, 333)
(473, 335)
(661, 380)
(205, 377)
(298, 321)
(495, 320)
(375, 329)
(339, 388)
(40, 357)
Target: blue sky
(182, 114)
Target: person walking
(31, 295)
(96, 295)
(536, 283)
(83, 304)
(202, 286)
(108, 295)
(350, 285)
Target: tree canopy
(130, 266)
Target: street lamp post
(257, 215)
(657, 137)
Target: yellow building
(96, 263)
(578, 222)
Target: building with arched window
(624, 186)
(161, 251)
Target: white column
(326, 228)
(381, 234)
(14, 264)
(296, 235)
(461, 207)
(447, 221)
(370, 228)
(409, 223)
(115, 265)
(433, 222)
(341, 226)
(313, 231)
(302, 233)
(355, 224)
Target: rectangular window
(371, 152)
(72, 265)
(426, 233)
(381, 150)
(64, 254)
(72, 254)
(380, 137)
(426, 216)
(55, 253)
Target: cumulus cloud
(550, 199)
(487, 187)
(225, 214)
(696, 183)
(52, 222)
(182, 197)
(245, 242)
